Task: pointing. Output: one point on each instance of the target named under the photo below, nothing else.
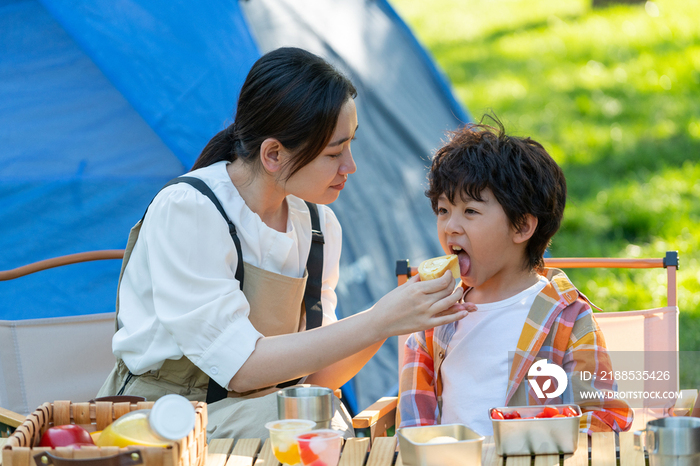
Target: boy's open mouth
(464, 260)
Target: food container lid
(172, 417)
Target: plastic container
(320, 447)
(171, 418)
(282, 437)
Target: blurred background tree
(613, 93)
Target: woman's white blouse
(178, 295)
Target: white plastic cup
(320, 447)
(283, 438)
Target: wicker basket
(20, 448)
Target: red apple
(62, 436)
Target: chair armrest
(687, 405)
(9, 421)
(377, 417)
(61, 260)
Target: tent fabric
(103, 102)
(186, 61)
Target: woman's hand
(416, 306)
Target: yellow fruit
(437, 266)
(130, 430)
(290, 456)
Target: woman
(184, 322)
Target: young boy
(499, 200)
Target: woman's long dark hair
(290, 95)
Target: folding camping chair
(36, 364)
(644, 330)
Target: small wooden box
(20, 448)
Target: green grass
(614, 95)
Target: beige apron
(276, 308)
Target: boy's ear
(271, 155)
(526, 230)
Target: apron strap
(203, 188)
(314, 266)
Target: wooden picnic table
(254, 452)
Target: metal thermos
(313, 403)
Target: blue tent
(102, 102)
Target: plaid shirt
(560, 328)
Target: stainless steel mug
(306, 402)
(671, 441)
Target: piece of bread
(443, 439)
(437, 266)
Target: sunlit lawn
(614, 94)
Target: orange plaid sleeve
(418, 403)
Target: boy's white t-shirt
(478, 358)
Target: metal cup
(303, 402)
(671, 441)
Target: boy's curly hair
(521, 174)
